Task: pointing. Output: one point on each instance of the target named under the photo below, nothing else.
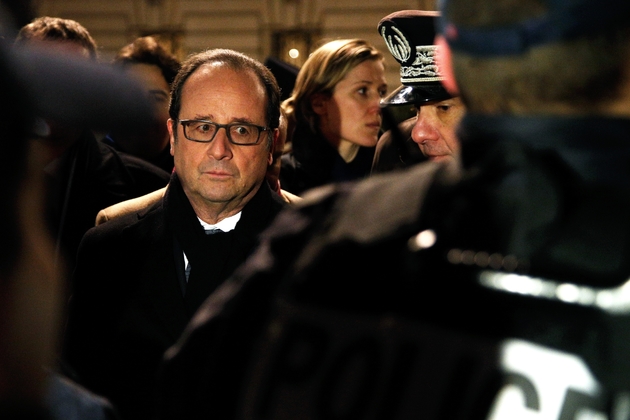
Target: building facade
(286, 29)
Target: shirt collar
(225, 225)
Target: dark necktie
(209, 231)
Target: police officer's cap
(409, 36)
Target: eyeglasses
(242, 134)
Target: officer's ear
(444, 60)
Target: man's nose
(220, 147)
(425, 127)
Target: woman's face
(353, 113)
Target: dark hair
(147, 50)
(234, 60)
(48, 28)
(582, 73)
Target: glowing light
(612, 300)
(568, 292)
(423, 240)
(294, 53)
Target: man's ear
(170, 125)
(274, 143)
(318, 103)
(443, 59)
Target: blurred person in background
(37, 83)
(146, 59)
(83, 174)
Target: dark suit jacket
(88, 177)
(127, 306)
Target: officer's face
(435, 127)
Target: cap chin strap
(563, 22)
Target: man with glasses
(141, 277)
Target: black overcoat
(127, 305)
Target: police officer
(429, 133)
(497, 292)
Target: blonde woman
(334, 115)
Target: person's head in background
(409, 36)
(68, 37)
(146, 59)
(581, 67)
(337, 94)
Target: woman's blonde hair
(321, 72)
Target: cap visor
(413, 95)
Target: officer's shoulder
(376, 206)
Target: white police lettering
(546, 384)
(613, 300)
(322, 364)
(397, 44)
(317, 363)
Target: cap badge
(423, 68)
(397, 44)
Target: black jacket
(430, 291)
(87, 178)
(313, 162)
(163, 160)
(396, 149)
(128, 305)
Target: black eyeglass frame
(227, 127)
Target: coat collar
(596, 148)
